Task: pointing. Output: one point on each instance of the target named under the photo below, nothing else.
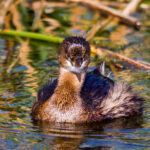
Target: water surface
(25, 65)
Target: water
(24, 68)
(25, 65)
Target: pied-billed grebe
(78, 96)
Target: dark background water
(25, 65)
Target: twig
(138, 64)
(48, 4)
(121, 16)
(4, 9)
(96, 28)
(114, 4)
(16, 17)
(143, 62)
(131, 7)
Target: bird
(79, 96)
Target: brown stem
(131, 7)
(138, 64)
(114, 4)
(96, 28)
(145, 63)
(121, 16)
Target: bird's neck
(68, 89)
(71, 79)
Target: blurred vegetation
(26, 64)
(53, 20)
(64, 18)
(59, 19)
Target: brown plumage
(78, 96)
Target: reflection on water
(74, 136)
(24, 67)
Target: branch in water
(142, 65)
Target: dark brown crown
(75, 50)
(69, 41)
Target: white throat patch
(75, 69)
